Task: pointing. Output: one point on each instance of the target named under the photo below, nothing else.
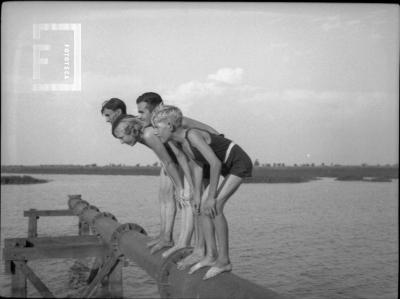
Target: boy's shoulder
(148, 132)
(193, 133)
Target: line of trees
(258, 164)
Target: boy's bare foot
(217, 269)
(207, 261)
(160, 245)
(194, 257)
(170, 251)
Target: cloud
(217, 85)
(218, 103)
(227, 75)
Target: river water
(321, 239)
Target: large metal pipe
(130, 240)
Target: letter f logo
(37, 60)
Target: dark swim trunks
(238, 163)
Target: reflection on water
(322, 239)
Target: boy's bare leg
(168, 199)
(199, 250)
(222, 263)
(186, 229)
(210, 242)
(154, 240)
(186, 232)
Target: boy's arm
(184, 164)
(198, 141)
(159, 149)
(192, 123)
(197, 173)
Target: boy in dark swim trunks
(223, 158)
(146, 104)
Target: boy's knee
(219, 207)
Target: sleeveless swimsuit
(234, 159)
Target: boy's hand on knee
(182, 198)
(210, 207)
(196, 207)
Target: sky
(289, 82)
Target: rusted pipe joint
(162, 276)
(73, 198)
(79, 206)
(101, 215)
(119, 231)
(88, 207)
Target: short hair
(152, 100)
(114, 104)
(133, 125)
(170, 113)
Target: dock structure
(111, 243)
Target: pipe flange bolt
(88, 207)
(73, 197)
(100, 215)
(80, 209)
(109, 215)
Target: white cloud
(227, 75)
(217, 84)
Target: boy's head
(112, 108)
(166, 119)
(146, 103)
(127, 128)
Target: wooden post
(35, 280)
(115, 281)
(18, 280)
(32, 225)
(103, 290)
(84, 228)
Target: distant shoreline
(20, 180)
(285, 174)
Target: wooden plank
(55, 251)
(104, 271)
(37, 283)
(18, 280)
(40, 213)
(49, 241)
(67, 240)
(32, 226)
(15, 242)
